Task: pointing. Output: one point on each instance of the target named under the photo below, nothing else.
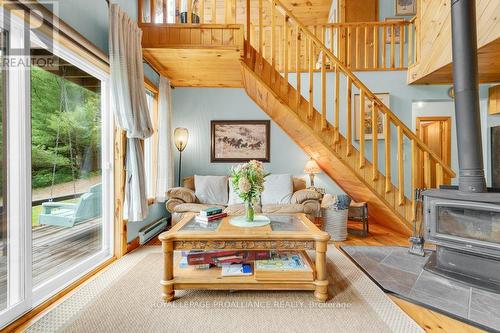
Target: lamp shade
(181, 136)
(312, 167)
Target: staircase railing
(368, 46)
(291, 48)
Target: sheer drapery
(129, 104)
(165, 167)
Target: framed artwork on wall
(397, 30)
(405, 7)
(240, 140)
(385, 98)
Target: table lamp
(312, 169)
(181, 136)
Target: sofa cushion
(192, 207)
(211, 190)
(182, 193)
(234, 198)
(278, 189)
(283, 209)
(304, 195)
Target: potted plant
(248, 183)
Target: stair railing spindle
(374, 141)
(387, 138)
(361, 125)
(349, 117)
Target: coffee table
(286, 232)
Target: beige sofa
(181, 200)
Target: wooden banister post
(401, 171)
(387, 137)
(349, 117)
(361, 125)
(337, 104)
(374, 141)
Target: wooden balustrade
(358, 44)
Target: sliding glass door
(56, 185)
(66, 167)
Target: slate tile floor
(399, 272)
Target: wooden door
(355, 12)
(435, 132)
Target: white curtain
(165, 167)
(130, 105)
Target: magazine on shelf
(236, 270)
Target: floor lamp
(181, 136)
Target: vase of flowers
(248, 183)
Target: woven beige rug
(126, 298)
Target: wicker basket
(335, 222)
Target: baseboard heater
(151, 230)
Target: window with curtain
(149, 147)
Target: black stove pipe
(466, 87)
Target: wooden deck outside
(56, 249)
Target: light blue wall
(194, 108)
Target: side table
(358, 212)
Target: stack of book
(210, 214)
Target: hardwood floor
(429, 320)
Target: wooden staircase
(266, 81)
(278, 54)
(278, 99)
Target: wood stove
(464, 222)
(466, 229)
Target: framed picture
(397, 31)
(406, 7)
(240, 140)
(385, 98)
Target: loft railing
(291, 48)
(368, 46)
(389, 45)
(192, 11)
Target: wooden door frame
(447, 146)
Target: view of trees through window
(65, 130)
(66, 167)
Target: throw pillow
(234, 198)
(278, 190)
(211, 190)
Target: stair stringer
(268, 89)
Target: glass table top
(278, 223)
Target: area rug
(126, 298)
(403, 274)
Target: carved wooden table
(286, 232)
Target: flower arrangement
(248, 183)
